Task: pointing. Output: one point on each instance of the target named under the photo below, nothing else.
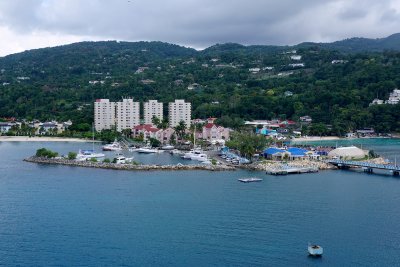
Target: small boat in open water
(250, 180)
(315, 250)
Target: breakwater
(276, 166)
(127, 167)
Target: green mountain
(234, 82)
(357, 45)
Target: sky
(29, 24)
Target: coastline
(42, 139)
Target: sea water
(71, 216)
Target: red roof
(146, 127)
(209, 125)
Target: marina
(201, 212)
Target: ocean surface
(70, 216)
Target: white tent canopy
(350, 152)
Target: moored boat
(115, 146)
(167, 147)
(315, 250)
(147, 150)
(250, 180)
(84, 155)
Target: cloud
(196, 23)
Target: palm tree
(180, 130)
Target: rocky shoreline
(127, 167)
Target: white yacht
(115, 146)
(167, 147)
(199, 157)
(120, 159)
(84, 155)
(147, 150)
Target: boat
(167, 147)
(192, 154)
(315, 250)
(199, 157)
(114, 146)
(147, 150)
(84, 155)
(121, 159)
(89, 154)
(250, 180)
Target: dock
(292, 170)
(367, 167)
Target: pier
(367, 167)
(292, 170)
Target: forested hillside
(230, 81)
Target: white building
(152, 108)
(179, 111)
(394, 97)
(121, 115)
(104, 114)
(127, 114)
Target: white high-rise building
(179, 111)
(104, 114)
(127, 114)
(152, 108)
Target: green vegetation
(248, 143)
(53, 83)
(46, 153)
(71, 155)
(106, 160)
(93, 160)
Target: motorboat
(84, 155)
(250, 180)
(199, 157)
(120, 159)
(167, 147)
(192, 154)
(147, 150)
(114, 146)
(315, 250)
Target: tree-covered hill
(230, 81)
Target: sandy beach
(40, 139)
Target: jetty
(367, 167)
(291, 170)
(127, 167)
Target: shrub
(106, 160)
(72, 155)
(46, 153)
(93, 160)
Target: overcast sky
(27, 24)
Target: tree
(248, 143)
(180, 130)
(154, 142)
